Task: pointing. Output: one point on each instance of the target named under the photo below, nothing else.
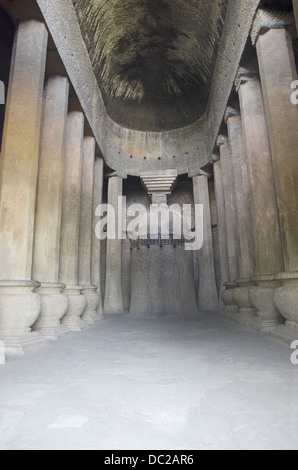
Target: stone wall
(172, 270)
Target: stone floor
(152, 384)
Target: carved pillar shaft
(265, 220)
(278, 71)
(242, 192)
(49, 207)
(113, 294)
(243, 201)
(221, 221)
(231, 225)
(19, 306)
(230, 207)
(96, 243)
(208, 299)
(272, 34)
(70, 230)
(85, 244)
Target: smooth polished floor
(152, 384)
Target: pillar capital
(204, 173)
(266, 20)
(199, 172)
(245, 75)
(231, 112)
(117, 174)
(222, 139)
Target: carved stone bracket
(159, 184)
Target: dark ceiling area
(281, 5)
(153, 59)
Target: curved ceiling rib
(153, 59)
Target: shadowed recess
(154, 59)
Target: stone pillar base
(76, 306)
(286, 296)
(261, 296)
(53, 307)
(19, 310)
(241, 298)
(19, 345)
(287, 333)
(113, 310)
(231, 308)
(286, 301)
(92, 301)
(263, 325)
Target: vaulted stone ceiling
(154, 59)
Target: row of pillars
(256, 174)
(50, 182)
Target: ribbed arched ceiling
(153, 59)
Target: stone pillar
(96, 243)
(113, 303)
(265, 220)
(230, 206)
(242, 199)
(19, 306)
(221, 224)
(272, 37)
(278, 71)
(231, 225)
(208, 297)
(48, 209)
(85, 249)
(71, 212)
